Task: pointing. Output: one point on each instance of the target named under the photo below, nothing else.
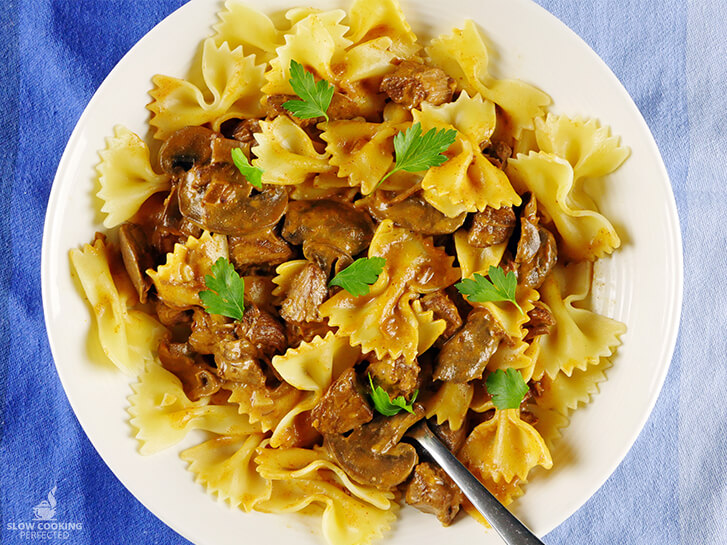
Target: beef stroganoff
(343, 229)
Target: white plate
(641, 285)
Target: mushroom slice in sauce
(372, 453)
(413, 213)
(185, 149)
(465, 356)
(217, 198)
(137, 255)
(537, 251)
(328, 230)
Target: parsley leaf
(387, 406)
(226, 291)
(252, 174)
(316, 97)
(507, 388)
(415, 152)
(359, 275)
(500, 287)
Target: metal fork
(511, 530)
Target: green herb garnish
(415, 152)
(500, 287)
(359, 275)
(315, 97)
(252, 174)
(226, 291)
(387, 406)
(507, 388)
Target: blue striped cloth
(670, 55)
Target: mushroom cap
(372, 454)
(217, 198)
(186, 148)
(328, 230)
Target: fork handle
(511, 530)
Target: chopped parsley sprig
(315, 96)
(500, 287)
(225, 293)
(387, 406)
(415, 152)
(359, 275)
(507, 388)
(253, 174)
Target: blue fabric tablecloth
(671, 56)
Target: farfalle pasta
(225, 466)
(125, 177)
(232, 79)
(348, 228)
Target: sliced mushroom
(163, 224)
(328, 230)
(198, 378)
(372, 454)
(185, 149)
(465, 356)
(138, 257)
(217, 198)
(413, 213)
(537, 251)
(262, 249)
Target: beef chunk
(444, 309)
(208, 331)
(397, 376)
(237, 361)
(298, 332)
(465, 356)
(498, 153)
(540, 321)
(273, 105)
(492, 226)
(413, 83)
(171, 317)
(245, 130)
(262, 249)
(197, 377)
(263, 331)
(259, 291)
(451, 438)
(341, 107)
(307, 292)
(432, 491)
(343, 407)
(537, 252)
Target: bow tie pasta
(344, 231)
